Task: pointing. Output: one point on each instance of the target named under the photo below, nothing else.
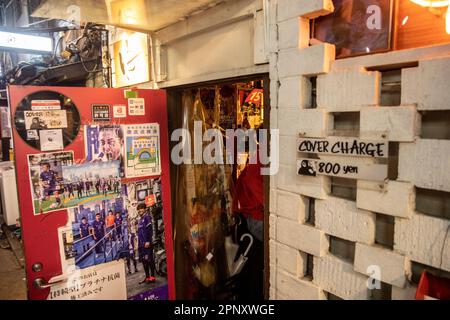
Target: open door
(93, 181)
(220, 259)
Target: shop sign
(131, 59)
(344, 147)
(343, 169)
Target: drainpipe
(159, 60)
(266, 12)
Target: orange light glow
(127, 12)
(437, 4)
(432, 3)
(447, 23)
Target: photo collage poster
(108, 220)
(52, 190)
(130, 227)
(99, 282)
(91, 181)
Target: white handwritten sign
(344, 146)
(100, 282)
(314, 167)
(48, 119)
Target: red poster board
(40, 237)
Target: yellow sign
(131, 60)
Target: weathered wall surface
(303, 261)
(324, 244)
(222, 42)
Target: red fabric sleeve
(249, 192)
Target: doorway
(210, 236)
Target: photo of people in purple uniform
(98, 228)
(47, 183)
(145, 243)
(118, 221)
(128, 227)
(50, 180)
(143, 200)
(83, 183)
(85, 232)
(94, 240)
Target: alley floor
(12, 273)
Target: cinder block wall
(322, 244)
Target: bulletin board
(90, 109)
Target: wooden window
(361, 27)
(356, 27)
(418, 26)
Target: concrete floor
(12, 273)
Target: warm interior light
(432, 3)
(437, 4)
(127, 12)
(447, 22)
